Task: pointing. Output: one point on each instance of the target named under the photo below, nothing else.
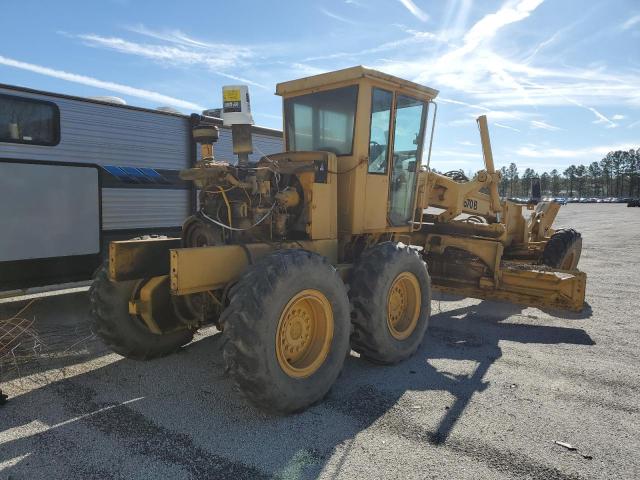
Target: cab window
(322, 121)
(381, 102)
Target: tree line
(616, 175)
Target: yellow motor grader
(334, 244)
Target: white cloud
(415, 38)
(182, 51)
(306, 70)
(105, 85)
(586, 154)
(458, 102)
(506, 126)
(543, 125)
(617, 116)
(335, 16)
(489, 25)
(415, 10)
(487, 78)
(454, 154)
(631, 22)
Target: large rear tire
(288, 331)
(563, 249)
(122, 332)
(391, 298)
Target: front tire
(391, 298)
(288, 331)
(563, 249)
(122, 332)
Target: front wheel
(391, 298)
(563, 249)
(288, 330)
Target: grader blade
(542, 288)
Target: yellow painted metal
(375, 205)
(489, 251)
(539, 224)
(135, 259)
(194, 270)
(152, 302)
(537, 288)
(323, 208)
(363, 204)
(352, 75)
(403, 305)
(488, 161)
(304, 333)
(456, 197)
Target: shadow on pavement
(182, 412)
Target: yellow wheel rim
(403, 305)
(304, 334)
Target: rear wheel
(391, 298)
(122, 332)
(563, 249)
(288, 329)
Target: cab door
(408, 136)
(377, 179)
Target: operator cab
(375, 124)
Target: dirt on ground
(489, 395)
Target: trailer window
(25, 120)
(322, 121)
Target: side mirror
(411, 166)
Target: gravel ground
(490, 391)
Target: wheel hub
(304, 334)
(403, 305)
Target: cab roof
(291, 88)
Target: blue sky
(559, 80)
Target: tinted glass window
(24, 120)
(322, 121)
(381, 101)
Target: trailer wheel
(391, 298)
(122, 332)
(563, 249)
(288, 331)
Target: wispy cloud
(415, 38)
(544, 125)
(489, 25)
(631, 22)
(477, 71)
(105, 85)
(585, 154)
(501, 125)
(335, 16)
(180, 50)
(415, 10)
